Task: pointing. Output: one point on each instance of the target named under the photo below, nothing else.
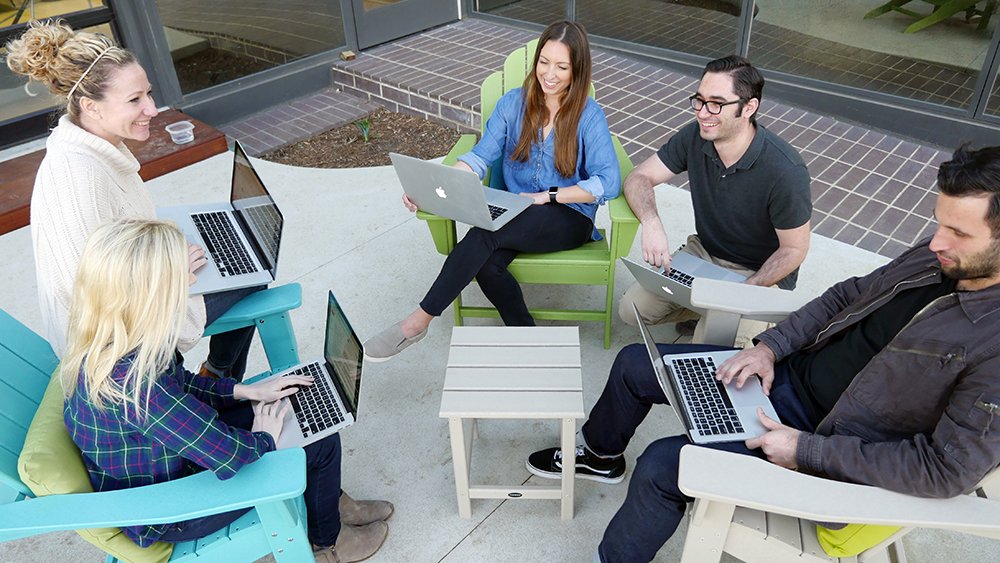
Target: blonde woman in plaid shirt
(140, 418)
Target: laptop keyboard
(268, 222)
(223, 244)
(680, 277)
(711, 410)
(496, 211)
(315, 406)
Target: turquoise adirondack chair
(38, 466)
(591, 264)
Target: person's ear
(90, 107)
(750, 107)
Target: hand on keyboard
(196, 259)
(272, 389)
(270, 417)
(758, 361)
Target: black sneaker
(548, 464)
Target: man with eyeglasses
(749, 189)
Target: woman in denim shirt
(557, 151)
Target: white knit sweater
(83, 182)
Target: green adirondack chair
(591, 264)
(39, 464)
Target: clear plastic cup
(181, 132)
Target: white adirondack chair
(759, 512)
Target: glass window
(855, 43)
(218, 41)
(700, 27)
(20, 97)
(541, 12)
(13, 12)
(993, 103)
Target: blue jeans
(322, 494)
(654, 504)
(485, 255)
(227, 351)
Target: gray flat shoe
(386, 344)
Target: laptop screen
(255, 208)
(343, 354)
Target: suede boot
(361, 512)
(355, 543)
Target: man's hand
(272, 389)
(270, 417)
(655, 249)
(779, 443)
(758, 361)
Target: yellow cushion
(50, 464)
(852, 539)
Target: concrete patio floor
(346, 231)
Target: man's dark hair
(748, 82)
(972, 173)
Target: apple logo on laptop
(440, 193)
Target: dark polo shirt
(737, 209)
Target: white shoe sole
(596, 478)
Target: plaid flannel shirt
(179, 434)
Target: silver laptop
(676, 284)
(241, 238)
(709, 411)
(331, 403)
(456, 194)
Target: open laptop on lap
(456, 194)
(676, 284)
(331, 402)
(709, 411)
(241, 238)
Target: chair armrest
(262, 304)
(464, 145)
(751, 482)
(276, 476)
(768, 304)
(620, 212)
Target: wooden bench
(158, 155)
(512, 373)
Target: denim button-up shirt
(596, 171)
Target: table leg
(568, 466)
(460, 461)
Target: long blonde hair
(129, 298)
(53, 53)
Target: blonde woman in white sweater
(89, 177)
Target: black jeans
(655, 504)
(227, 351)
(485, 255)
(322, 494)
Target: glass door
(379, 21)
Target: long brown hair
(567, 119)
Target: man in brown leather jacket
(891, 379)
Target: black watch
(553, 190)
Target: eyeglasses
(714, 108)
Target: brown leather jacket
(923, 417)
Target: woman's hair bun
(36, 53)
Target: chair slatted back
(26, 365)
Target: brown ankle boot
(361, 512)
(355, 543)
